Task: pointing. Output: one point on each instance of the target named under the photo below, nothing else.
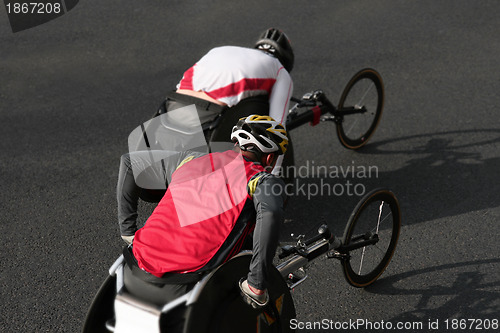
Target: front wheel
(360, 108)
(370, 237)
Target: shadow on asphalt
(445, 293)
(442, 174)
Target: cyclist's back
(230, 74)
(198, 213)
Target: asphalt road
(72, 90)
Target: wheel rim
(363, 91)
(379, 216)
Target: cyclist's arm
(280, 96)
(268, 199)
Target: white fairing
(133, 316)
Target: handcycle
(356, 117)
(357, 114)
(214, 304)
(363, 251)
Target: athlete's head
(275, 42)
(261, 135)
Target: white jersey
(230, 74)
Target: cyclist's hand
(128, 239)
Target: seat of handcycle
(213, 305)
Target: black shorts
(217, 121)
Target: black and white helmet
(275, 41)
(260, 134)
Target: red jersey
(196, 215)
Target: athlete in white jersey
(229, 74)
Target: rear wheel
(219, 307)
(364, 94)
(371, 235)
(102, 308)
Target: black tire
(102, 308)
(376, 215)
(365, 89)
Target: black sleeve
(268, 200)
(269, 197)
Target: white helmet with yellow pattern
(260, 134)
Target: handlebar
(318, 104)
(309, 99)
(301, 247)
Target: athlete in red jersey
(212, 203)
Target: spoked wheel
(370, 237)
(360, 108)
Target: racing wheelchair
(214, 303)
(356, 117)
